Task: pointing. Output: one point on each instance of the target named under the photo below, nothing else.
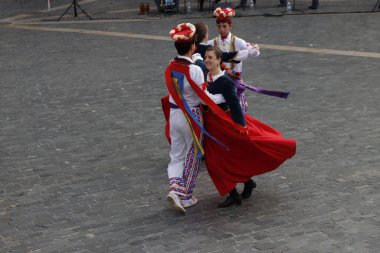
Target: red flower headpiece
(183, 32)
(224, 14)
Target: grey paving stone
(83, 156)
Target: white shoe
(189, 202)
(175, 202)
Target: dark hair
(201, 30)
(228, 20)
(183, 47)
(218, 53)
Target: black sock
(249, 183)
(234, 193)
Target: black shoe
(230, 201)
(248, 188)
(313, 7)
(233, 198)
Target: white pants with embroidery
(183, 167)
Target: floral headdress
(183, 32)
(224, 14)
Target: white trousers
(182, 141)
(184, 164)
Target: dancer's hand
(253, 49)
(242, 130)
(246, 130)
(255, 46)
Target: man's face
(224, 29)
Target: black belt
(173, 106)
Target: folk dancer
(233, 57)
(257, 149)
(228, 42)
(183, 114)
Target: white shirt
(241, 55)
(189, 94)
(244, 54)
(225, 46)
(214, 77)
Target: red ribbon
(175, 66)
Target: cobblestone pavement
(83, 156)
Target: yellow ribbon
(198, 145)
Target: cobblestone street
(83, 155)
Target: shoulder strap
(232, 48)
(216, 43)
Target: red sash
(184, 69)
(174, 66)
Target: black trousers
(314, 3)
(243, 3)
(201, 2)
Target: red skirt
(262, 150)
(165, 104)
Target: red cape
(262, 150)
(251, 151)
(178, 67)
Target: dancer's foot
(233, 198)
(175, 202)
(313, 7)
(189, 202)
(248, 188)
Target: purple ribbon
(241, 87)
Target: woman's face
(211, 61)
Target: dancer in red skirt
(258, 149)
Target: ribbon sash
(174, 73)
(240, 86)
(174, 66)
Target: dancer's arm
(198, 78)
(229, 94)
(198, 60)
(253, 51)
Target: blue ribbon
(180, 77)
